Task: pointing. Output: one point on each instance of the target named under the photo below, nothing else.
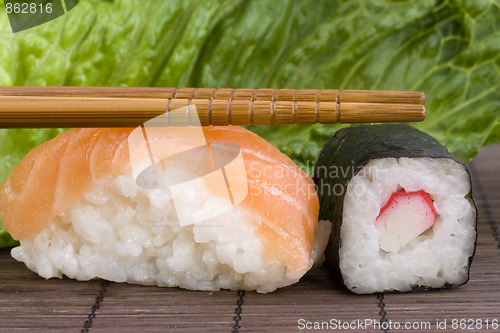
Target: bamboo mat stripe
(88, 323)
(382, 313)
(28, 302)
(105, 284)
(486, 205)
(238, 311)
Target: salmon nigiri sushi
(219, 209)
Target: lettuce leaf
(450, 50)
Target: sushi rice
(438, 257)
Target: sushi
(79, 209)
(401, 205)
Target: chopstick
(53, 107)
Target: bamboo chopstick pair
(53, 107)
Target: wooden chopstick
(377, 96)
(44, 107)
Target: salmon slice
(53, 176)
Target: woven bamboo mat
(28, 302)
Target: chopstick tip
(423, 99)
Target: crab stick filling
(405, 216)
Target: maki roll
(78, 210)
(402, 210)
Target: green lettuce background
(448, 49)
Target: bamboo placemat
(28, 302)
